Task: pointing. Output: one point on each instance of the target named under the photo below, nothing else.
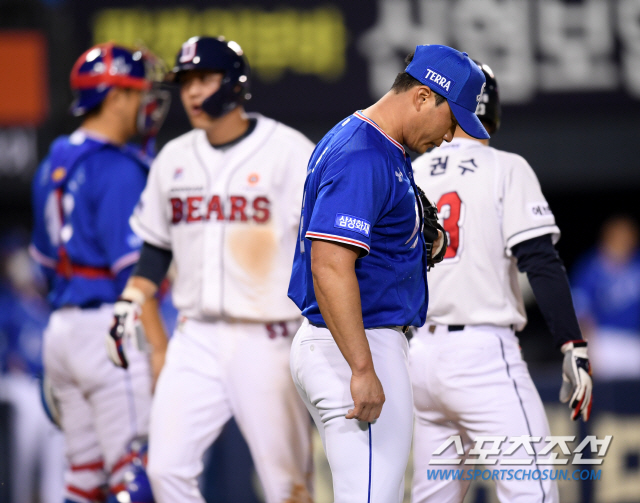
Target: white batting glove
(577, 386)
(126, 328)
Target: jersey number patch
(451, 214)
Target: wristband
(134, 294)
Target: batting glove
(125, 330)
(577, 386)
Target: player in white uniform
(222, 200)
(468, 376)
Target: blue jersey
(83, 195)
(608, 293)
(22, 321)
(360, 191)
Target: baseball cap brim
(469, 121)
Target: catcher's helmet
(218, 55)
(489, 109)
(105, 66)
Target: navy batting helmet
(218, 55)
(489, 110)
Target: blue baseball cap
(455, 76)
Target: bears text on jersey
(238, 209)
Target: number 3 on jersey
(451, 214)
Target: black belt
(406, 330)
(458, 328)
(451, 328)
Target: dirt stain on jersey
(254, 248)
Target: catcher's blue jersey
(360, 191)
(83, 194)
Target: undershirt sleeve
(538, 258)
(154, 263)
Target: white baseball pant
(471, 383)
(367, 460)
(103, 407)
(216, 370)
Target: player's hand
(299, 494)
(438, 244)
(125, 329)
(577, 386)
(368, 397)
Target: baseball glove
(432, 230)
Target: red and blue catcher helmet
(217, 55)
(105, 66)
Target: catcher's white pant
(367, 460)
(473, 383)
(37, 454)
(216, 370)
(103, 407)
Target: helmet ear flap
(489, 110)
(228, 97)
(218, 55)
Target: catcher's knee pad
(134, 486)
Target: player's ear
(421, 96)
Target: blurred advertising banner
(24, 90)
(331, 53)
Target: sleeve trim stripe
(333, 237)
(125, 261)
(534, 232)
(41, 258)
(551, 226)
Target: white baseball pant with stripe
(367, 460)
(473, 382)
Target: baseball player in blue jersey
(83, 195)
(359, 273)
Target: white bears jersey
(230, 216)
(488, 201)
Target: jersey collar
(366, 119)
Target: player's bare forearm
(155, 334)
(338, 295)
(143, 291)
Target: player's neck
(228, 127)
(387, 115)
(106, 127)
(461, 134)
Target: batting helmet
(218, 55)
(489, 110)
